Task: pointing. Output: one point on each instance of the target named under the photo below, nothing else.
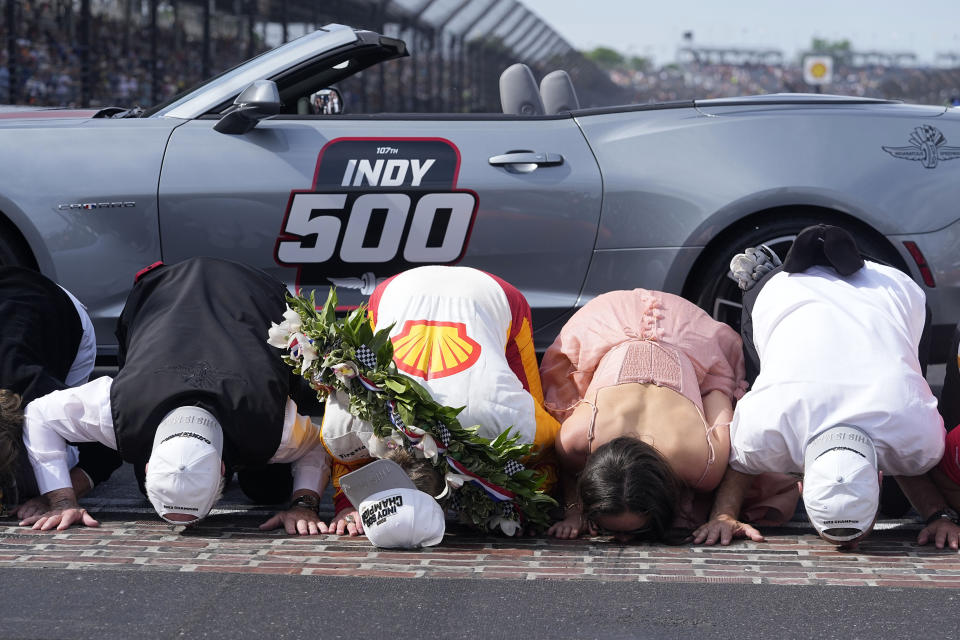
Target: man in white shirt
(199, 390)
(840, 397)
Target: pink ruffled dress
(651, 337)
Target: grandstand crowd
(48, 67)
(48, 70)
(699, 80)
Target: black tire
(719, 295)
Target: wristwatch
(306, 501)
(946, 514)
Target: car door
(350, 201)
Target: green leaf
(396, 385)
(338, 340)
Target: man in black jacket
(47, 343)
(199, 392)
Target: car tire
(719, 295)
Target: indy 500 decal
(378, 206)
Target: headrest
(556, 91)
(518, 91)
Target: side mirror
(258, 101)
(326, 102)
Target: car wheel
(719, 294)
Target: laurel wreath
(335, 343)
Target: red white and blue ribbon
(295, 348)
(412, 436)
(499, 494)
(367, 384)
(416, 436)
(394, 415)
(441, 448)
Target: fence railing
(141, 52)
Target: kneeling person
(466, 336)
(47, 343)
(644, 383)
(199, 391)
(840, 396)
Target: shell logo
(818, 70)
(429, 349)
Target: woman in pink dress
(644, 384)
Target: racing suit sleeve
(302, 446)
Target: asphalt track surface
(138, 577)
(116, 604)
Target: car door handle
(527, 157)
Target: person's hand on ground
(724, 529)
(60, 519)
(297, 520)
(567, 529)
(33, 507)
(346, 522)
(941, 532)
(62, 512)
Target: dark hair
(629, 475)
(11, 431)
(421, 470)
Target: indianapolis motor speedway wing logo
(927, 146)
(378, 206)
(200, 374)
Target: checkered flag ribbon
(508, 511)
(456, 503)
(366, 357)
(442, 434)
(394, 415)
(513, 467)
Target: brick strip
(230, 542)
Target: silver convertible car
(563, 202)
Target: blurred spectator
(48, 68)
(696, 80)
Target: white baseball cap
(841, 488)
(184, 472)
(394, 513)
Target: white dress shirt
(82, 414)
(838, 350)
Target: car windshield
(196, 100)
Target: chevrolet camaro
(563, 202)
